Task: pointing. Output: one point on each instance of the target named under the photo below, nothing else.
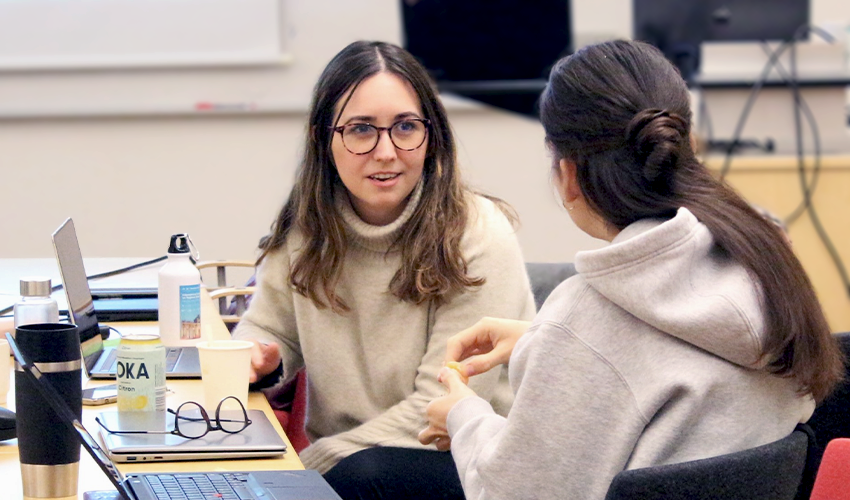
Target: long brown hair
(621, 112)
(432, 264)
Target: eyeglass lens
(361, 138)
(192, 421)
(231, 416)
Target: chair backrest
(833, 479)
(221, 267)
(770, 472)
(829, 421)
(545, 276)
(831, 418)
(232, 300)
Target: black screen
(489, 41)
(76, 284)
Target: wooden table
(92, 478)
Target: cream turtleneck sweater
(373, 369)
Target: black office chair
(770, 472)
(831, 418)
(545, 276)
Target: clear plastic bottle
(36, 305)
(179, 296)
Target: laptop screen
(75, 282)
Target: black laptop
(100, 362)
(255, 485)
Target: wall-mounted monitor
(679, 27)
(495, 51)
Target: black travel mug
(49, 450)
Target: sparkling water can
(140, 373)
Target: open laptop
(99, 360)
(254, 485)
(258, 440)
(124, 305)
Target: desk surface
(92, 478)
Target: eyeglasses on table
(189, 417)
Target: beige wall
(134, 167)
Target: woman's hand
(438, 410)
(265, 358)
(484, 345)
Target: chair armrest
(221, 276)
(224, 263)
(221, 269)
(240, 295)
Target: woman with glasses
(378, 256)
(694, 333)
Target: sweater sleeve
(493, 253)
(572, 426)
(270, 317)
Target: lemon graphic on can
(133, 403)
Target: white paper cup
(5, 370)
(225, 369)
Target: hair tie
(641, 120)
(658, 114)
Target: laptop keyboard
(225, 486)
(171, 357)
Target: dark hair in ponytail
(621, 112)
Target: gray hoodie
(649, 356)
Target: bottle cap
(179, 244)
(35, 286)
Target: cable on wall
(800, 107)
(805, 188)
(748, 105)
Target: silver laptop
(258, 440)
(181, 362)
(254, 485)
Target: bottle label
(140, 373)
(190, 312)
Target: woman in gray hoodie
(695, 333)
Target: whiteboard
(95, 34)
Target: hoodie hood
(670, 274)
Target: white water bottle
(179, 296)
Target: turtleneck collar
(371, 237)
